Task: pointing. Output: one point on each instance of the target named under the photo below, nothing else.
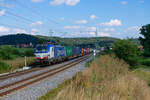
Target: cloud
(4, 29)
(81, 22)
(141, 1)
(37, 1)
(62, 18)
(2, 4)
(112, 22)
(67, 2)
(103, 34)
(37, 23)
(2, 12)
(34, 31)
(72, 27)
(109, 29)
(18, 30)
(124, 2)
(93, 17)
(92, 28)
(133, 29)
(100, 34)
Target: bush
(4, 67)
(126, 50)
(145, 62)
(6, 52)
(29, 52)
(9, 52)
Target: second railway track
(9, 88)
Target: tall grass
(19, 62)
(11, 65)
(108, 78)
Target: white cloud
(133, 29)
(109, 29)
(2, 12)
(72, 27)
(37, 23)
(17, 30)
(141, 1)
(62, 18)
(37, 1)
(101, 34)
(91, 28)
(93, 17)
(2, 4)
(132, 32)
(113, 22)
(34, 31)
(4, 29)
(124, 2)
(81, 22)
(67, 2)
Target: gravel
(39, 89)
(18, 78)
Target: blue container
(59, 51)
(76, 50)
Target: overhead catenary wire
(28, 20)
(36, 12)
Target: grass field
(107, 78)
(11, 65)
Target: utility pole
(96, 33)
(51, 32)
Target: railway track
(9, 88)
(6, 76)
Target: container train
(56, 53)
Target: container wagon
(68, 50)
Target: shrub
(9, 52)
(4, 67)
(145, 62)
(126, 50)
(29, 52)
(6, 52)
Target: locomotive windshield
(41, 49)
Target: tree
(145, 39)
(126, 50)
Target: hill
(17, 39)
(84, 42)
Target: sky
(74, 18)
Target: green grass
(53, 93)
(4, 67)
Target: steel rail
(56, 70)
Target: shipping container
(59, 51)
(76, 51)
(68, 50)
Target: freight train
(56, 53)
